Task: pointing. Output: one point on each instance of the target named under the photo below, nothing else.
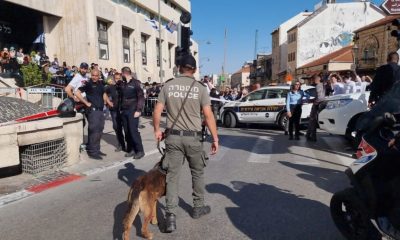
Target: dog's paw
(154, 222)
(149, 236)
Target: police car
(264, 105)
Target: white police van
(264, 105)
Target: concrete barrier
(26, 133)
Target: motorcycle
(370, 208)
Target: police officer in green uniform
(183, 135)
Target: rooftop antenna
(256, 45)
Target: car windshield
(389, 103)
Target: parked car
(264, 105)
(338, 114)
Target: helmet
(66, 108)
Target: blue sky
(210, 18)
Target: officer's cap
(188, 62)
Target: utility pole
(160, 42)
(224, 65)
(256, 45)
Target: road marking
(223, 149)
(13, 197)
(261, 152)
(303, 155)
(335, 143)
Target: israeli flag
(39, 39)
(171, 27)
(152, 23)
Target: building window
(170, 46)
(369, 51)
(294, 56)
(103, 39)
(144, 50)
(126, 45)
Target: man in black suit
(385, 77)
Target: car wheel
(283, 120)
(229, 120)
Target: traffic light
(186, 32)
(179, 54)
(396, 33)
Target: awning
(313, 73)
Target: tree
(31, 73)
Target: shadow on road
(266, 212)
(129, 174)
(329, 180)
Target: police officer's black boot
(170, 223)
(198, 212)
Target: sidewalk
(23, 185)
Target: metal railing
(47, 96)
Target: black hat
(147, 84)
(154, 83)
(188, 62)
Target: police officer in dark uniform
(114, 94)
(183, 135)
(96, 99)
(131, 106)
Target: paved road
(259, 185)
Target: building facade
(374, 44)
(280, 44)
(328, 29)
(241, 78)
(112, 33)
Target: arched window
(369, 51)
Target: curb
(23, 194)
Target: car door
(274, 103)
(249, 106)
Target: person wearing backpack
(294, 102)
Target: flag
(152, 23)
(39, 39)
(171, 27)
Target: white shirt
(338, 88)
(77, 82)
(362, 86)
(349, 87)
(37, 59)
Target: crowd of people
(336, 84)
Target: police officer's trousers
(131, 124)
(312, 125)
(95, 131)
(177, 149)
(117, 126)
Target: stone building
(241, 78)
(112, 33)
(374, 44)
(279, 45)
(261, 70)
(327, 30)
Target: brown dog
(143, 196)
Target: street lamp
(355, 53)
(203, 40)
(202, 59)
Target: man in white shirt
(362, 84)
(349, 86)
(77, 82)
(37, 58)
(338, 87)
(208, 84)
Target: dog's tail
(133, 207)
